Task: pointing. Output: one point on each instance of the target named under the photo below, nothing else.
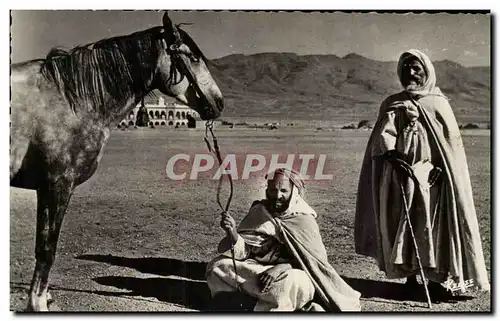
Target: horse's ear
(172, 34)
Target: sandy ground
(133, 240)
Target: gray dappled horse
(62, 109)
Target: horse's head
(182, 73)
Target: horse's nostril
(219, 102)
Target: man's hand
(229, 225)
(267, 277)
(400, 104)
(397, 160)
(403, 168)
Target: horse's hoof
(31, 309)
(38, 308)
(53, 307)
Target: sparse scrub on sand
(469, 126)
(349, 126)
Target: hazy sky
(464, 38)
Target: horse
(63, 107)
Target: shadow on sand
(158, 266)
(194, 293)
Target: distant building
(165, 113)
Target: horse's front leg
(52, 202)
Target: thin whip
(225, 209)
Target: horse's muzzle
(214, 110)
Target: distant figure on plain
(415, 165)
(280, 257)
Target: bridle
(180, 61)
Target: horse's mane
(110, 68)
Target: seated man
(279, 255)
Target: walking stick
(407, 215)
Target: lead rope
(225, 209)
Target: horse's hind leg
(52, 202)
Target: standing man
(415, 163)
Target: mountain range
(291, 86)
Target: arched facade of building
(163, 113)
